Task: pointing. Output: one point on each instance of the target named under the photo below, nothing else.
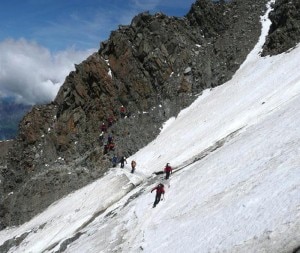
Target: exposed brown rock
(157, 64)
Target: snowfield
(235, 187)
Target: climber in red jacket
(159, 191)
(168, 170)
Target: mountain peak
(155, 67)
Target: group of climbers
(110, 145)
(115, 160)
(160, 189)
(122, 160)
(110, 121)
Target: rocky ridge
(155, 67)
(284, 32)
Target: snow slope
(236, 186)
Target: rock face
(155, 67)
(4, 147)
(284, 32)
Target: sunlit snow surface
(237, 185)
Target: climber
(114, 161)
(159, 191)
(122, 161)
(111, 146)
(110, 121)
(133, 165)
(105, 150)
(103, 127)
(109, 139)
(101, 137)
(168, 170)
(122, 111)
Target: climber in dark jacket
(122, 161)
(114, 160)
(105, 150)
(109, 139)
(159, 191)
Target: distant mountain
(11, 114)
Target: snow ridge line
(64, 245)
(218, 144)
(13, 242)
(76, 234)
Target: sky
(41, 40)
(234, 188)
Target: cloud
(31, 73)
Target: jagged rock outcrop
(284, 32)
(155, 67)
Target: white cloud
(31, 73)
